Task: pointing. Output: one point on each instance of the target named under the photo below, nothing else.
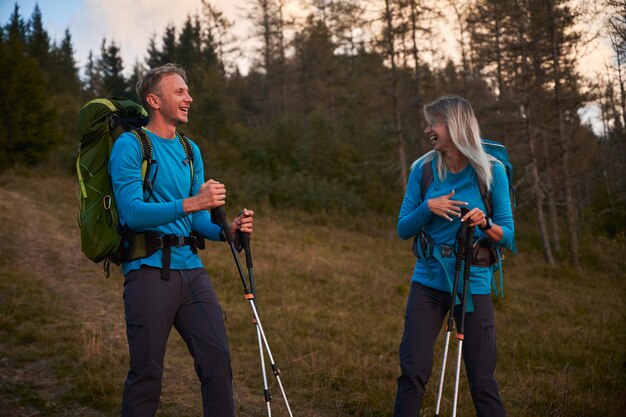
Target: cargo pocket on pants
(488, 355)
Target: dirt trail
(40, 244)
(40, 240)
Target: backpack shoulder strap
(427, 177)
(146, 159)
(486, 196)
(184, 141)
(186, 145)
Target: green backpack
(100, 122)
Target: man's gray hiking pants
(188, 302)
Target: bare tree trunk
(570, 207)
(416, 72)
(498, 36)
(551, 198)
(618, 41)
(281, 52)
(499, 65)
(266, 24)
(530, 137)
(538, 192)
(396, 100)
(462, 41)
(622, 93)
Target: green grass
(331, 300)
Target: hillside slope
(331, 300)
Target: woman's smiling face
(438, 135)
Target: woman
(458, 163)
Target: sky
(131, 24)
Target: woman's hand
(475, 217)
(445, 207)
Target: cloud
(130, 24)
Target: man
(168, 285)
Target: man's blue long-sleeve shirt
(163, 213)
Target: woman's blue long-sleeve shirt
(163, 213)
(415, 216)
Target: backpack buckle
(173, 240)
(158, 242)
(178, 241)
(446, 251)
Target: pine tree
(138, 71)
(16, 29)
(218, 42)
(63, 69)
(93, 81)
(111, 68)
(27, 130)
(168, 51)
(38, 40)
(188, 48)
(153, 55)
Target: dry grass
(331, 301)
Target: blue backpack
(498, 151)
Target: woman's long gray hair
(457, 114)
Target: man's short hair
(147, 84)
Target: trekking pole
(245, 241)
(220, 216)
(461, 327)
(460, 254)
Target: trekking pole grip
(245, 242)
(469, 252)
(219, 217)
(461, 235)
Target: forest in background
(328, 119)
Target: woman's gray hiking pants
(425, 312)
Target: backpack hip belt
(485, 253)
(428, 247)
(143, 245)
(424, 249)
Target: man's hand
(212, 194)
(243, 222)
